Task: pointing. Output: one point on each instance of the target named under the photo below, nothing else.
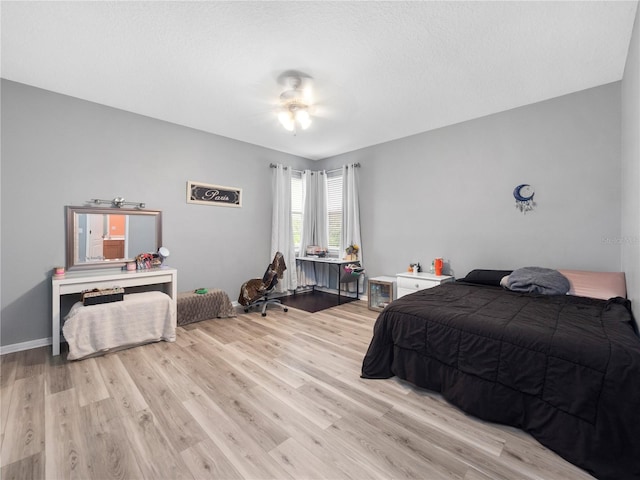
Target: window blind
(296, 208)
(334, 209)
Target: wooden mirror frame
(71, 213)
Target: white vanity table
(76, 282)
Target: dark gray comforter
(566, 369)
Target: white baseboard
(18, 347)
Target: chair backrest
(274, 271)
(278, 264)
(270, 279)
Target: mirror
(110, 237)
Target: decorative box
(105, 295)
(315, 251)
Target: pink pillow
(602, 285)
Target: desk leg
(339, 284)
(55, 322)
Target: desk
(76, 282)
(339, 263)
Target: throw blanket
(195, 307)
(139, 318)
(544, 281)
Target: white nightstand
(409, 283)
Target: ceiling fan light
(294, 104)
(302, 116)
(286, 120)
(307, 95)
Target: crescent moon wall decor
(523, 194)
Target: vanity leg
(55, 321)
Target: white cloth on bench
(139, 318)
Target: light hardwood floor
(247, 397)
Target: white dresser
(408, 282)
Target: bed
(565, 368)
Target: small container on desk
(382, 291)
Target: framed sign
(206, 194)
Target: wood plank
(236, 353)
(120, 385)
(24, 433)
(184, 338)
(238, 445)
(88, 381)
(432, 409)
(29, 468)
(155, 455)
(181, 429)
(176, 367)
(326, 447)
(110, 454)
(206, 460)
(8, 365)
(58, 375)
(31, 362)
(447, 448)
(67, 455)
(300, 463)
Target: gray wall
(441, 193)
(448, 192)
(57, 151)
(630, 238)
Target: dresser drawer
(416, 283)
(408, 283)
(401, 292)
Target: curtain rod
(273, 165)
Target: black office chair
(255, 292)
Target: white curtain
(315, 228)
(281, 231)
(351, 213)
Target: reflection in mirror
(109, 237)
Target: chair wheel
(286, 309)
(246, 310)
(264, 314)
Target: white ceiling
(381, 70)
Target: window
(296, 208)
(334, 209)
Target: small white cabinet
(408, 282)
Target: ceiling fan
(296, 101)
